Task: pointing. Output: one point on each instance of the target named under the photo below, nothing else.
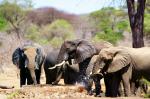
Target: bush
(33, 33)
(110, 37)
(54, 33)
(57, 32)
(110, 23)
(3, 23)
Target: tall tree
(136, 17)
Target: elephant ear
(18, 57)
(39, 58)
(120, 60)
(84, 50)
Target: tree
(110, 23)
(136, 18)
(14, 13)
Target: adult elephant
(81, 51)
(122, 63)
(29, 60)
(69, 73)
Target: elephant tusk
(90, 73)
(57, 65)
(36, 66)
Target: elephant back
(101, 45)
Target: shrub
(110, 37)
(57, 32)
(33, 33)
(3, 23)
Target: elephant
(29, 60)
(70, 73)
(81, 51)
(124, 64)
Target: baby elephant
(29, 60)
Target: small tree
(13, 12)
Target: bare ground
(9, 78)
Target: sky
(76, 6)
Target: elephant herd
(84, 62)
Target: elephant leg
(89, 86)
(97, 87)
(115, 83)
(66, 75)
(133, 87)
(107, 81)
(120, 90)
(82, 70)
(38, 75)
(22, 77)
(126, 84)
(48, 78)
(112, 82)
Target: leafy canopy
(110, 24)
(54, 33)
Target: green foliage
(110, 24)
(147, 7)
(3, 23)
(54, 33)
(59, 28)
(147, 95)
(33, 33)
(13, 94)
(148, 83)
(122, 25)
(56, 42)
(110, 37)
(13, 16)
(147, 24)
(1, 44)
(58, 31)
(11, 11)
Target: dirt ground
(42, 91)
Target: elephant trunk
(63, 55)
(32, 71)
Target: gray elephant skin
(81, 51)
(29, 60)
(122, 63)
(69, 73)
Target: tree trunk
(136, 18)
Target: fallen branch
(6, 87)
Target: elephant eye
(67, 49)
(73, 44)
